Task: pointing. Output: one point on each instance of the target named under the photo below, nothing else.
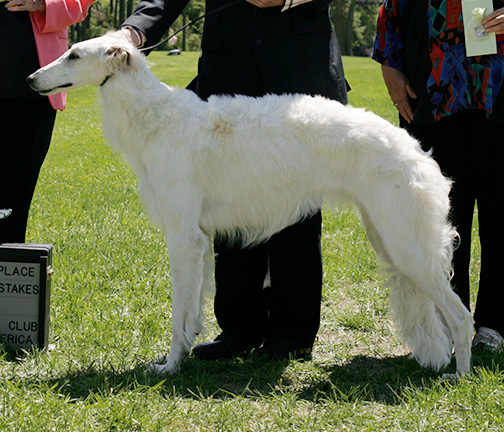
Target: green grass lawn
(111, 310)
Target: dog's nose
(29, 80)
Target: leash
(190, 24)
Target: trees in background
(355, 22)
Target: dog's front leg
(188, 255)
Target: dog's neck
(129, 97)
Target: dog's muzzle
(30, 80)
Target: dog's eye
(73, 56)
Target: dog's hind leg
(191, 263)
(460, 322)
(407, 227)
(415, 314)
(456, 322)
(431, 319)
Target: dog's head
(87, 63)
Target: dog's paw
(162, 366)
(456, 376)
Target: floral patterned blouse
(425, 40)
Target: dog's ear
(119, 58)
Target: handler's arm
(154, 17)
(399, 90)
(388, 47)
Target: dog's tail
(420, 324)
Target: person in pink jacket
(32, 34)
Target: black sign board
(25, 276)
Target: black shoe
(282, 349)
(222, 347)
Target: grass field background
(111, 309)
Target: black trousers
(469, 150)
(26, 126)
(289, 306)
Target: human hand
(399, 90)
(26, 5)
(134, 36)
(266, 3)
(494, 22)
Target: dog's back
(288, 154)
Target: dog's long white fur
(256, 165)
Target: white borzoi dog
(257, 165)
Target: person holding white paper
(494, 22)
(454, 104)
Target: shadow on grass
(362, 378)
